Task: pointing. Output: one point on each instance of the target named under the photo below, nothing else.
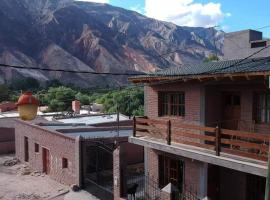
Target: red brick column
(78, 168)
(118, 173)
(152, 164)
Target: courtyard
(19, 182)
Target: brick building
(7, 106)
(241, 44)
(206, 129)
(75, 153)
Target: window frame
(171, 104)
(258, 109)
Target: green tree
(127, 101)
(59, 98)
(210, 58)
(83, 98)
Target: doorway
(231, 110)
(26, 149)
(171, 171)
(46, 160)
(213, 187)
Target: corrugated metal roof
(220, 67)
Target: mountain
(67, 34)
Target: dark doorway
(255, 187)
(97, 162)
(46, 160)
(231, 110)
(171, 171)
(26, 149)
(213, 182)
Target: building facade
(206, 129)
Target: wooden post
(217, 140)
(267, 185)
(169, 132)
(134, 126)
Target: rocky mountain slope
(68, 34)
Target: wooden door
(231, 110)
(171, 171)
(46, 160)
(26, 149)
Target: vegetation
(128, 101)
(211, 58)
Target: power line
(72, 71)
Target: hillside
(96, 37)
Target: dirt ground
(18, 182)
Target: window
(36, 147)
(258, 44)
(64, 163)
(232, 100)
(262, 108)
(171, 104)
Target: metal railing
(142, 188)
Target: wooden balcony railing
(240, 143)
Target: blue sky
(230, 15)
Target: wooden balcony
(213, 139)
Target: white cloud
(96, 1)
(185, 12)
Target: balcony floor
(234, 162)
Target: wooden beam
(267, 184)
(247, 75)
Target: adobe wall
(60, 146)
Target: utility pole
(118, 120)
(267, 185)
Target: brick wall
(214, 103)
(192, 101)
(7, 106)
(76, 106)
(192, 168)
(7, 140)
(119, 173)
(59, 146)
